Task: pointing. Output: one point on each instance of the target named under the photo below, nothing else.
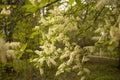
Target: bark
(118, 51)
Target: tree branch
(98, 14)
(50, 3)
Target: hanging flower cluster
(7, 50)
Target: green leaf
(41, 41)
(34, 34)
(27, 2)
(68, 69)
(112, 46)
(44, 2)
(29, 50)
(22, 51)
(24, 47)
(36, 28)
(2, 6)
(98, 45)
(71, 2)
(30, 8)
(78, 1)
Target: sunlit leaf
(86, 70)
(80, 73)
(71, 2)
(24, 47)
(22, 50)
(30, 8)
(78, 2)
(68, 69)
(34, 34)
(29, 50)
(44, 2)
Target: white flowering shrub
(7, 50)
(59, 51)
(107, 40)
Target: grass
(103, 69)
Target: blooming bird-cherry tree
(58, 50)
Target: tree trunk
(118, 52)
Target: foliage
(58, 34)
(10, 62)
(103, 69)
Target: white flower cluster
(48, 55)
(115, 33)
(71, 59)
(7, 50)
(6, 10)
(14, 45)
(102, 35)
(58, 50)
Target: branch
(96, 17)
(98, 14)
(50, 3)
(86, 13)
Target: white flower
(62, 65)
(86, 70)
(72, 54)
(35, 60)
(75, 67)
(41, 71)
(67, 43)
(64, 56)
(52, 61)
(59, 50)
(32, 1)
(48, 63)
(11, 53)
(6, 10)
(38, 52)
(41, 61)
(70, 61)
(80, 73)
(37, 27)
(14, 45)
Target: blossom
(11, 53)
(6, 10)
(14, 45)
